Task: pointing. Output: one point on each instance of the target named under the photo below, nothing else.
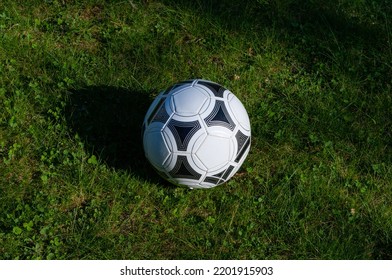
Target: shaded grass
(76, 78)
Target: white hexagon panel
(182, 105)
(220, 147)
(156, 149)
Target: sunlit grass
(76, 78)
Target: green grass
(76, 78)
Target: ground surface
(76, 78)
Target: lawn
(76, 78)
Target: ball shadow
(109, 120)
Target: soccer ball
(196, 133)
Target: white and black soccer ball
(196, 133)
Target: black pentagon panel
(220, 174)
(241, 152)
(187, 81)
(215, 179)
(183, 132)
(241, 140)
(166, 92)
(216, 89)
(156, 109)
(190, 82)
(161, 116)
(227, 172)
(182, 169)
(220, 177)
(211, 180)
(220, 117)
